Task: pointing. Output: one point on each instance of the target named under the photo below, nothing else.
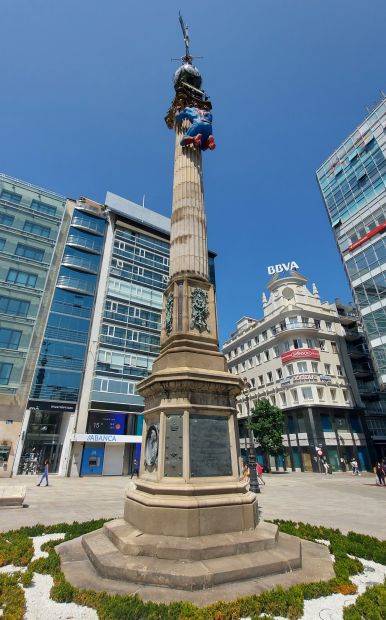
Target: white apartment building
(296, 357)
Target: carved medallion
(200, 310)
(151, 446)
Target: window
(5, 373)
(37, 229)
(328, 326)
(307, 393)
(266, 355)
(283, 398)
(242, 347)
(297, 342)
(290, 370)
(302, 366)
(345, 396)
(273, 400)
(291, 425)
(253, 381)
(2, 244)
(295, 397)
(333, 395)
(261, 380)
(258, 359)
(322, 345)
(326, 423)
(334, 348)
(286, 346)
(10, 196)
(327, 369)
(264, 335)
(317, 323)
(249, 344)
(356, 425)
(42, 207)
(9, 338)
(27, 251)
(301, 424)
(315, 366)
(269, 377)
(310, 343)
(339, 371)
(16, 307)
(320, 392)
(242, 366)
(279, 373)
(276, 351)
(6, 220)
(249, 362)
(341, 423)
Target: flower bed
(17, 549)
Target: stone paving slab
(343, 501)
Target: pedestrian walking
(135, 468)
(355, 467)
(245, 471)
(380, 472)
(45, 474)
(259, 471)
(325, 466)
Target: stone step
(131, 541)
(190, 575)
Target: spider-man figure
(200, 131)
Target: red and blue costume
(200, 131)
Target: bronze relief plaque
(210, 453)
(173, 444)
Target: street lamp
(253, 482)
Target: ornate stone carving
(169, 313)
(200, 310)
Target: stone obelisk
(190, 523)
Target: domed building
(296, 357)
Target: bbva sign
(282, 267)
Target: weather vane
(185, 34)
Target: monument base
(120, 559)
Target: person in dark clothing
(379, 470)
(45, 474)
(135, 468)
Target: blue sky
(85, 86)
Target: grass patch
(278, 602)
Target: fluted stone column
(188, 238)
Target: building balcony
(363, 372)
(71, 335)
(299, 326)
(76, 284)
(91, 245)
(357, 352)
(84, 223)
(83, 264)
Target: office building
(33, 223)
(373, 399)
(57, 379)
(296, 358)
(125, 338)
(353, 185)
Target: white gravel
(39, 605)
(331, 607)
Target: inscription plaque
(173, 445)
(210, 453)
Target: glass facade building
(57, 379)
(126, 339)
(31, 219)
(353, 185)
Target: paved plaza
(340, 500)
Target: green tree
(267, 426)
